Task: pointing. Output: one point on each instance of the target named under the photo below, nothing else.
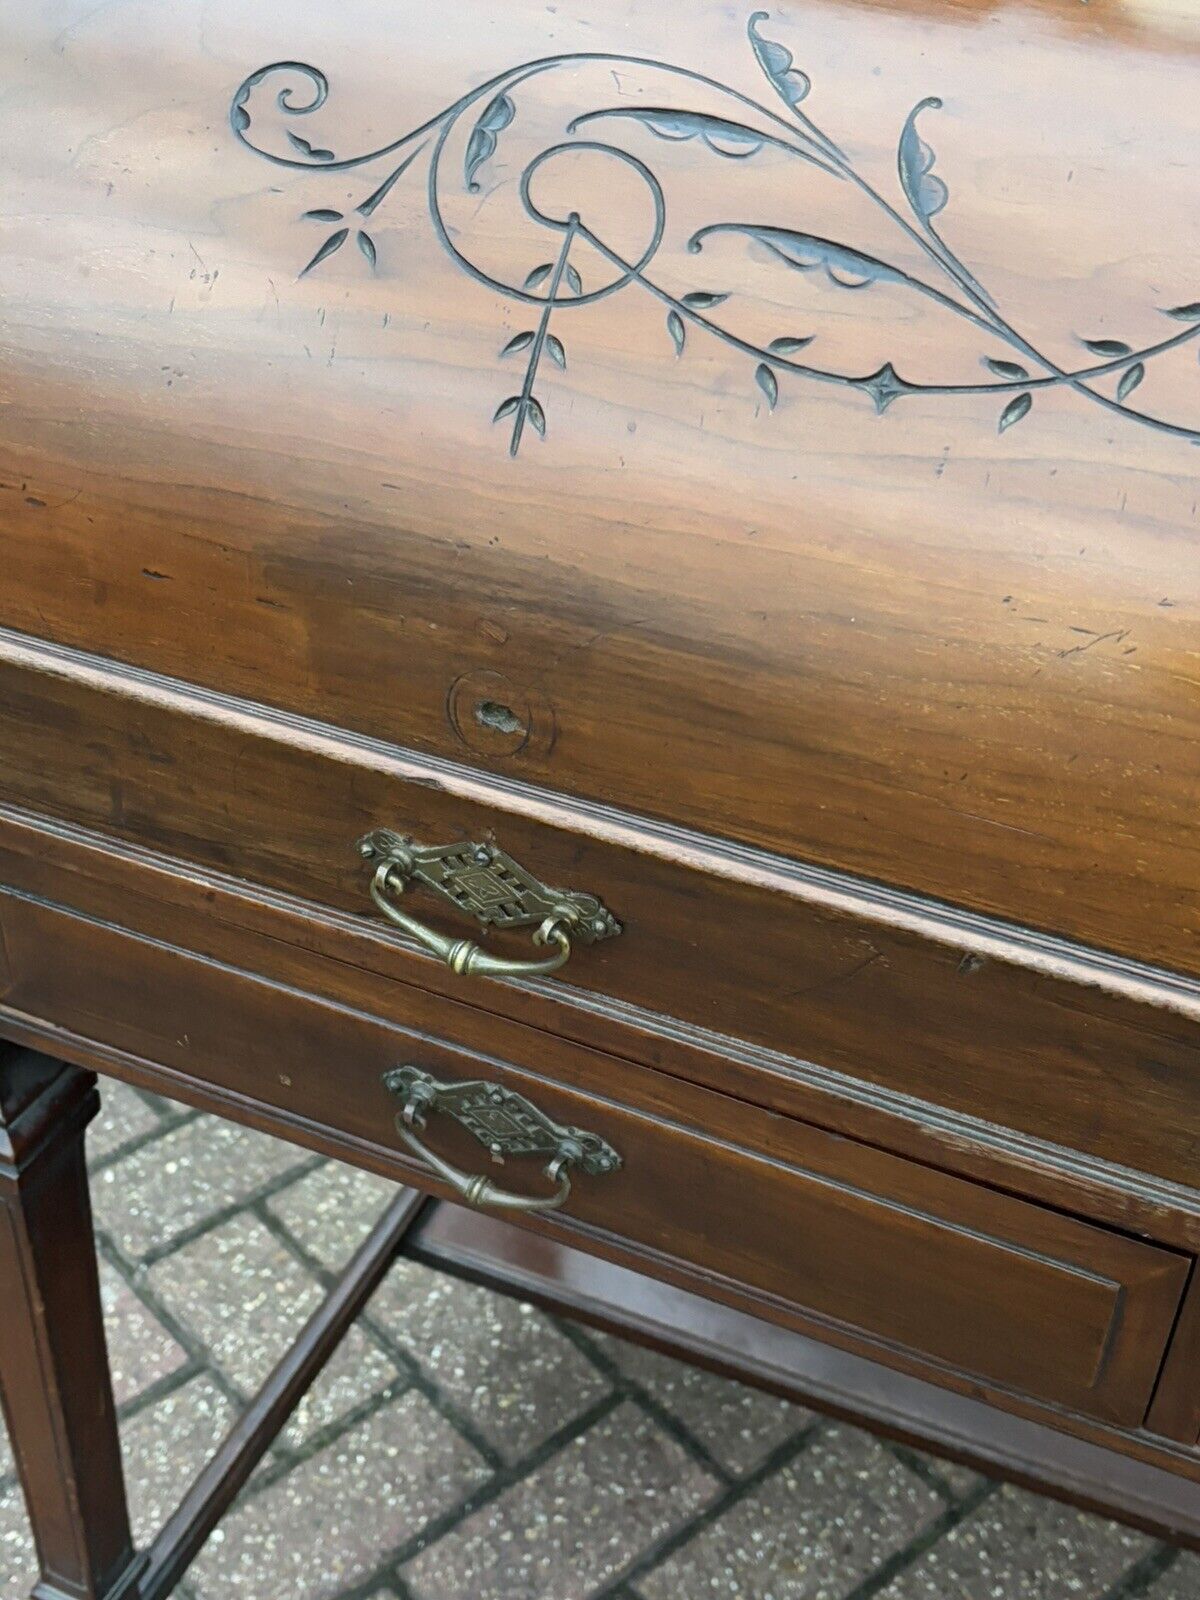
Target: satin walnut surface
(910, 645)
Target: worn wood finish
(358, 963)
(565, 1280)
(225, 1099)
(772, 513)
(1016, 1294)
(1176, 1408)
(54, 1379)
(981, 1018)
(905, 645)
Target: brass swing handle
(485, 882)
(507, 1125)
(476, 1189)
(464, 955)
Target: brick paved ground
(464, 1447)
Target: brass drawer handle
(506, 1124)
(488, 884)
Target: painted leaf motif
(334, 242)
(1004, 369)
(927, 194)
(537, 416)
(885, 386)
(724, 138)
(497, 115)
(313, 152)
(777, 62)
(574, 281)
(554, 347)
(677, 331)
(1130, 379)
(519, 341)
(322, 214)
(789, 347)
(1106, 347)
(367, 245)
(493, 120)
(768, 383)
(507, 407)
(1014, 411)
(539, 274)
(848, 269)
(1188, 313)
(701, 300)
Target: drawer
(837, 988)
(933, 649)
(923, 1268)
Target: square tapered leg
(54, 1373)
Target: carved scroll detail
(554, 284)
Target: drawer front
(806, 1227)
(932, 648)
(908, 998)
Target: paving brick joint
(463, 1444)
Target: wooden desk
(542, 556)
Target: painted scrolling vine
(554, 286)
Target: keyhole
(502, 718)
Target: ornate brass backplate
(486, 883)
(504, 1122)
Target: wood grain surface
(908, 645)
(736, 955)
(744, 464)
(551, 1273)
(802, 1226)
(56, 1394)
